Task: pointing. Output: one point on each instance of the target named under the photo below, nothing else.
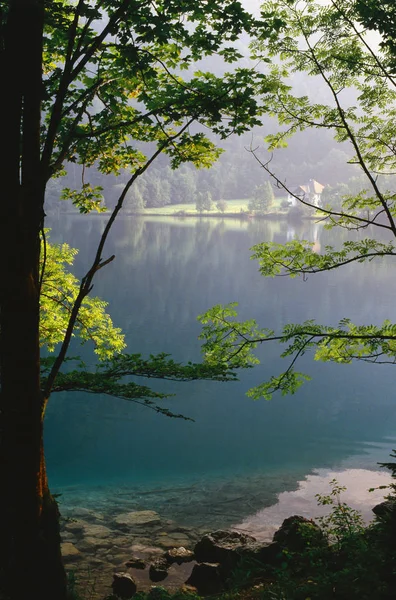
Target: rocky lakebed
(106, 529)
(135, 537)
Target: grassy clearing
(233, 207)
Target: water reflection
(302, 501)
(166, 272)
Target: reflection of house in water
(310, 192)
(309, 230)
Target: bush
(263, 198)
(221, 205)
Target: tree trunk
(30, 561)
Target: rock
(98, 531)
(266, 553)
(159, 570)
(171, 541)
(121, 541)
(140, 542)
(87, 514)
(79, 511)
(90, 544)
(224, 547)
(385, 508)
(118, 560)
(291, 536)
(67, 536)
(138, 517)
(75, 526)
(146, 549)
(181, 529)
(179, 555)
(206, 578)
(135, 563)
(96, 562)
(124, 585)
(69, 550)
(228, 547)
(177, 535)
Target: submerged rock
(171, 541)
(69, 550)
(138, 517)
(124, 585)
(97, 531)
(135, 563)
(75, 526)
(68, 536)
(87, 514)
(147, 549)
(88, 544)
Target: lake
(238, 455)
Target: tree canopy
(97, 84)
(114, 97)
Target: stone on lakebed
(69, 550)
(138, 517)
(98, 531)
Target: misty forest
(197, 317)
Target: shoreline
(212, 215)
(302, 501)
(98, 543)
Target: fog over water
(166, 272)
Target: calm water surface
(166, 272)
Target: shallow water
(238, 455)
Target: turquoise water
(166, 272)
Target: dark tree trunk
(30, 561)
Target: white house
(311, 192)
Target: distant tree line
(235, 176)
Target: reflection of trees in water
(173, 270)
(168, 273)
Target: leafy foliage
(330, 44)
(59, 290)
(203, 201)
(336, 557)
(263, 197)
(232, 342)
(113, 373)
(113, 99)
(221, 205)
(342, 522)
(113, 377)
(109, 82)
(88, 199)
(298, 258)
